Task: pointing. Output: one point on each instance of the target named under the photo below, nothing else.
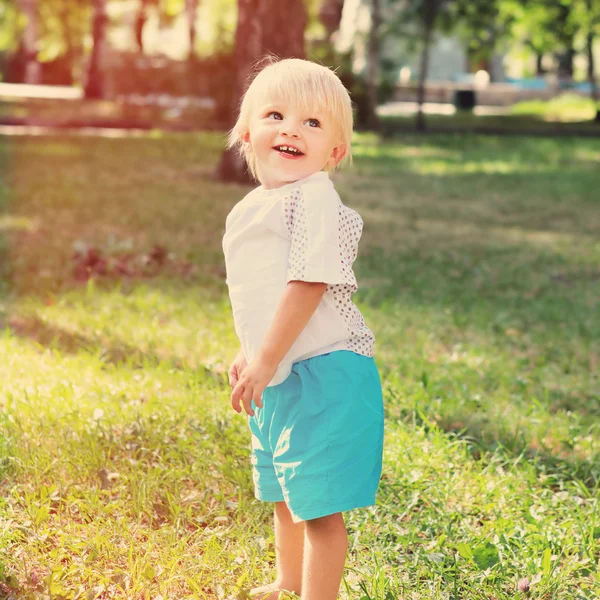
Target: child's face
(279, 124)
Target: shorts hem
(329, 509)
(274, 496)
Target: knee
(328, 525)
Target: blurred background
(182, 64)
(124, 472)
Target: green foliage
(9, 26)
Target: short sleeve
(324, 236)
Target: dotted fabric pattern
(349, 231)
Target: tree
(330, 14)
(140, 20)
(94, 85)
(549, 26)
(429, 14)
(560, 24)
(592, 18)
(373, 64)
(29, 41)
(263, 28)
(482, 25)
(191, 7)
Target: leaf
(465, 551)
(546, 561)
(41, 514)
(149, 572)
(486, 555)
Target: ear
(245, 137)
(337, 154)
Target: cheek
(263, 136)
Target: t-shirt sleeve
(324, 237)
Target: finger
(235, 397)
(257, 395)
(247, 400)
(233, 378)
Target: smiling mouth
(288, 150)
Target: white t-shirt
(299, 231)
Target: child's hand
(251, 384)
(236, 368)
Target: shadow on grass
(532, 125)
(52, 336)
(515, 448)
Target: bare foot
(273, 591)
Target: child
(305, 373)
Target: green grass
(565, 108)
(101, 111)
(124, 471)
(566, 114)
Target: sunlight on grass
(564, 108)
(488, 167)
(374, 149)
(124, 471)
(8, 222)
(184, 324)
(588, 154)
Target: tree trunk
(565, 61)
(373, 64)
(330, 14)
(591, 67)
(191, 7)
(32, 74)
(592, 75)
(140, 21)
(539, 68)
(565, 40)
(68, 37)
(263, 28)
(430, 8)
(94, 87)
(282, 31)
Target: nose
(288, 130)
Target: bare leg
(325, 547)
(289, 547)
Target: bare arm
(296, 306)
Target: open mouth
(288, 150)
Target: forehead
(290, 94)
(287, 105)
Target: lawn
(567, 114)
(125, 473)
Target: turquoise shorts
(317, 443)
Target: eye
(315, 121)
(274, 112)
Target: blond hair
(303, 83)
